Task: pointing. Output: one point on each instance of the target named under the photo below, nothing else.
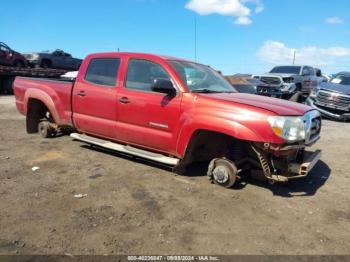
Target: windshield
(254, 81)
(343, 80)
(286, 70)
(201, 78)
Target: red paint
(100, 112)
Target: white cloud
(259, 7)
(243, 20)
(274, 52)
(235, 8)
(334, 20)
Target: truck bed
(8, 74)
(54, 93)
(30, 72)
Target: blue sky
(235, 36)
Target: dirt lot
(134, 207)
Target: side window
(103, 71)
(312, 71)
(306, 71)
(141, 74)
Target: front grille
(313, 124)
(266, 90)
(271, 80)
(315, 128)
(287, 79)
(333, 100)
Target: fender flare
(40, 95)
(232, 129)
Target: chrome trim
(308, 125)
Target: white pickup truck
(294, 81)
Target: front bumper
(298, 170)
(284, 168)
(270, 92)
(342, 117)
(303, 169)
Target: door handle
(81, 93)
(124, 100)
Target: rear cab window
(286, 70)
(103, 71)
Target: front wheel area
(222, 172)
(46, 129)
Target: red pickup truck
(174, 112)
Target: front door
(95, 98)
(147, 118)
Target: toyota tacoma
(175, 112)
(294, 82)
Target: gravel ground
(135, 207)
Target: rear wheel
(222, 172)
(46, 130)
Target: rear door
(94, 98)
(147, 118)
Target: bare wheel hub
(221, 174)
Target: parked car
(174, 112)
(247, 84)
(295, 82)
(333, 99)
(53, 59)
(9, 57)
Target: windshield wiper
(205, 90)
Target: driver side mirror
(164, 86)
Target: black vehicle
(247, 84)
(332, 99)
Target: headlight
(289, 128)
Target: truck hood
(281, 75)
(335, 87)
(277, 106)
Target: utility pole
(294, 54)
(195, 39)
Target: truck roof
(145, 55)
(298, 65)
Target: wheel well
(36, 110)
(206, 145)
